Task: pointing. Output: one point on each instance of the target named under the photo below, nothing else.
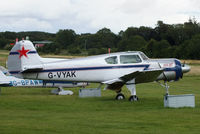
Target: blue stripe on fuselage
(90, 68)
(14, 72)
(95, 68)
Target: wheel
(133, 98)
(120, 96)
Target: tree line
(164, 41)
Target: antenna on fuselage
(109, 50)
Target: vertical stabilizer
(23, 56)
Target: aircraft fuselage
(96, 69)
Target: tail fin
(23, 57)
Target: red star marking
(23, 52)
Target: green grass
(35, 110)
(3, 57)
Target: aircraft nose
(185, 68)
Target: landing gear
(120, 96)
(131, 87)
(133, 98)
(165, 86)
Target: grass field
(35, 110)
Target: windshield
(144, 57)
(126, 59)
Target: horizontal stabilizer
(3, 79)
(4, 83)
(32, 69)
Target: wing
(139, 76)
(148, 76)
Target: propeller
(185, 68)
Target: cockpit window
(126, 59)
(112, 60)
(144, 57)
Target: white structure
(177, 101)
(90, 92)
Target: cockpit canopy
(126, 58)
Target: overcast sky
(88, 16)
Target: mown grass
(35, 110)
(3, 57)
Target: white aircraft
(12, 81)
(115, 69)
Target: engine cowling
(172, 69)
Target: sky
(89, 16)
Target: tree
(150, 48)
(158, 49)
(49, 48)
(191, 28)
(162, 51)
(146, 32)
(133, 43)
(131, 31)
(95, 51)
(106, 38)
(190, 48)
(3, 42)
(64, 38)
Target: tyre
(133, 98)
(120, 96)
